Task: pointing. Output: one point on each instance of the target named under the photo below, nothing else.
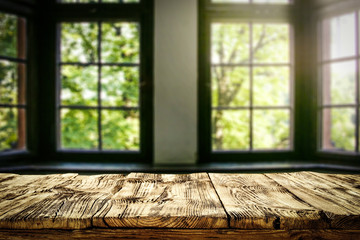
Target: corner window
(339, 67)
(13, 64)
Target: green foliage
(343, 129)
(79, 129)
(8, 82)
(271, 86)
(271, 129)
(120, 43)
(342, 87)
(120, 130)
(231, 85)
(8, 129)
(271, 43)
(120, 86)
(232, 127)
(96, 1)
(79, 85)
(342, 83)
(79, 42)
(8, 35)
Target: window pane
(79, 85)
(12, 83)
(230, 43)
(120, 86)
(230, 86)
(12, 129)
(270, 1)
(339, 83)
(271, 86)
(230, 1)
(79, 42)
(79, 129)
(271, 129)
(339, 129)
(96, 1)
(247, 1)
(271, 43)
(79, 1)
(120, 130)
(230, 130)
(120, 43)
(121, 1)
(339, 37)
(12, 36)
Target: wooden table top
(278, 201)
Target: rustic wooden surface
(254, 201)
(138, 200)
(308, 202)
(180, 234)
(164, 201)
(337, 196)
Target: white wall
(175, 82)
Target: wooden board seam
(222, 204)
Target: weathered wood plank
(138, 200)
(254, 201)
(180, 234)
(164, 201)
(335, 196)
(350, 182)
(64, 201)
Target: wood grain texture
(254, 201)
(70, 201)
(63, 201)
(165, 201)
(285, 201)
(338, 196)
(180, 234)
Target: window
(99, 95)
(99, 107)
(339, 67)
(246, 91)
(99, 1)
(252, 1)
(251, 86)
(76, 80)
(13, 63)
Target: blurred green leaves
(250, 71)
(112, 75)
(8, 35)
